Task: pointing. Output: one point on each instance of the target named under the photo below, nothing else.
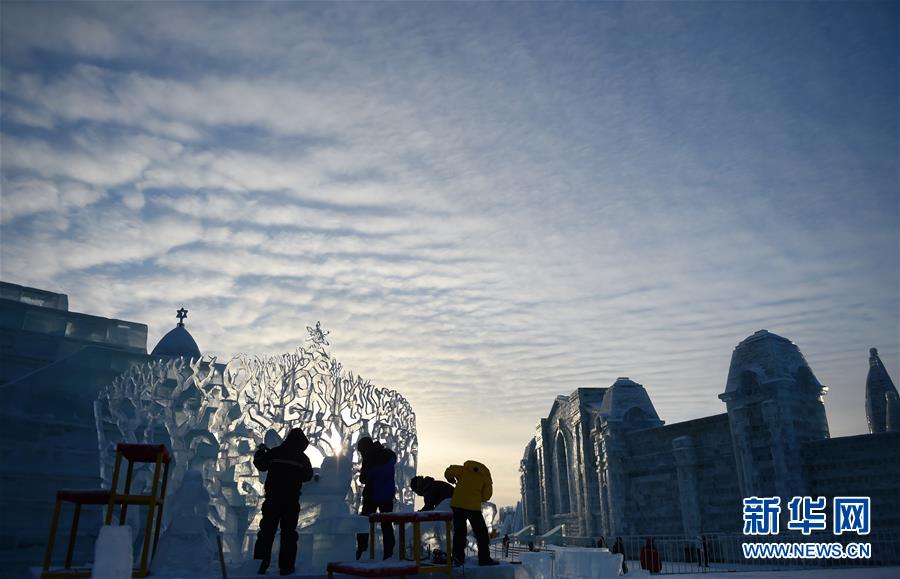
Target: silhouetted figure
(288, 468)
(601, 543)
(704, 551)
(650, 557)
(433, 492)
(473, 486)
(377, 476)
(619, 548)
(530, 546)
(505, 546)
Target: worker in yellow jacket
(473, 486)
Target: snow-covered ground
(860, 573)
(513, 571)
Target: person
(704, 552)
(505, 546)
(601, 542)
(377, 477)
(649, 557)
(619, 548)
(531, 546)
(288, 468)
(473, 486)
(432, 491)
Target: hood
(296, 439)
(477, 468)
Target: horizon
(487, 205)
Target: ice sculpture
(327, 529)
(187, 548)
(213, 416)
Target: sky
(487, 204)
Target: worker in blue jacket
(377, 476)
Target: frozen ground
(509, 571)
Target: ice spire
(879, 387)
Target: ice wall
(213, 416)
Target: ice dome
(178, 342)
(627, 401)
(769, 358)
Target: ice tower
(882, 408)
(626, 407)
(775, 405)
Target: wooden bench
(373, 568)
(133, 453)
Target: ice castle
(603, 462)
(75, 384)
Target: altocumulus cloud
(488, 206)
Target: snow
(113, 553)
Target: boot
(488, 563)
(263, 567)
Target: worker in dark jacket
(432, 491)
(288, 468)
(377, 476)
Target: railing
(717, 553)
(512, 554)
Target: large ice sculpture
(213, 417)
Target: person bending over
(432, 491)
(473, 486)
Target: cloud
(487, 212)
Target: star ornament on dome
(317, 335)
(182, 314)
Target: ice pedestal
(330, 540)
(578, 562)
(327, 529)
(113, 553)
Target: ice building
(75, 384)
(52, 364)
(603, 462)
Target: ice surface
(213, 416)
(113, 553)
(538, 565)
(578, 562)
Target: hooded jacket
(473, 485)
(377, 473)
(432, 491)
(287, 465)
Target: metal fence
(717, 553)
